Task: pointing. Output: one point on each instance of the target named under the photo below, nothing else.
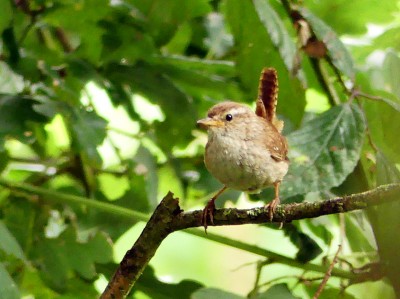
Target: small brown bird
(245, 150)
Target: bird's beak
(208, 122)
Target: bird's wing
(276, 144)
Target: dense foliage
(98, 105)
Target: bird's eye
(229, 117)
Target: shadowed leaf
(324, 151)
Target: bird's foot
(271, 207)
(208, 212)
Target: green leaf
(156, 289)
(278, 291)
(10, 82)
(202, 84)
(9, 289)
(278, 33)
(3, 159)
(112, 186)
(88, 130)
(16, 113)
(5, 15)
(341, 14)
(59, 257)
(122, 41)
(147, 162)
(252, 56)
(391, 72)
(81, 24)
(341, 57)
(384, 131)
(390, 38)
(164, 16)
(324, 151)
(328, 292)
(308, 249)
(212, 293)
(159, 89)
(9, 244)
(356, 232)
(385, 222)
(10, 43)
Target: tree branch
(168, 217)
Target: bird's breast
(242, 164)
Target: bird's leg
(210, 208)
(271, 207)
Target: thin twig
(327, 275)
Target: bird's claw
(271, 207)
(208, 211)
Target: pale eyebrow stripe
(238, 110)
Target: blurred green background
(98, 106)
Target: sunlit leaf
(9, 289)
(340, 14)
(391, 73)
(10, 82)
(324, 151)
(8, 244)
(384, 131)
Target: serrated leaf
(278, 291)
(324, 151)
(278, 33)
(8, 289)
(341, 57)
(208, 293)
